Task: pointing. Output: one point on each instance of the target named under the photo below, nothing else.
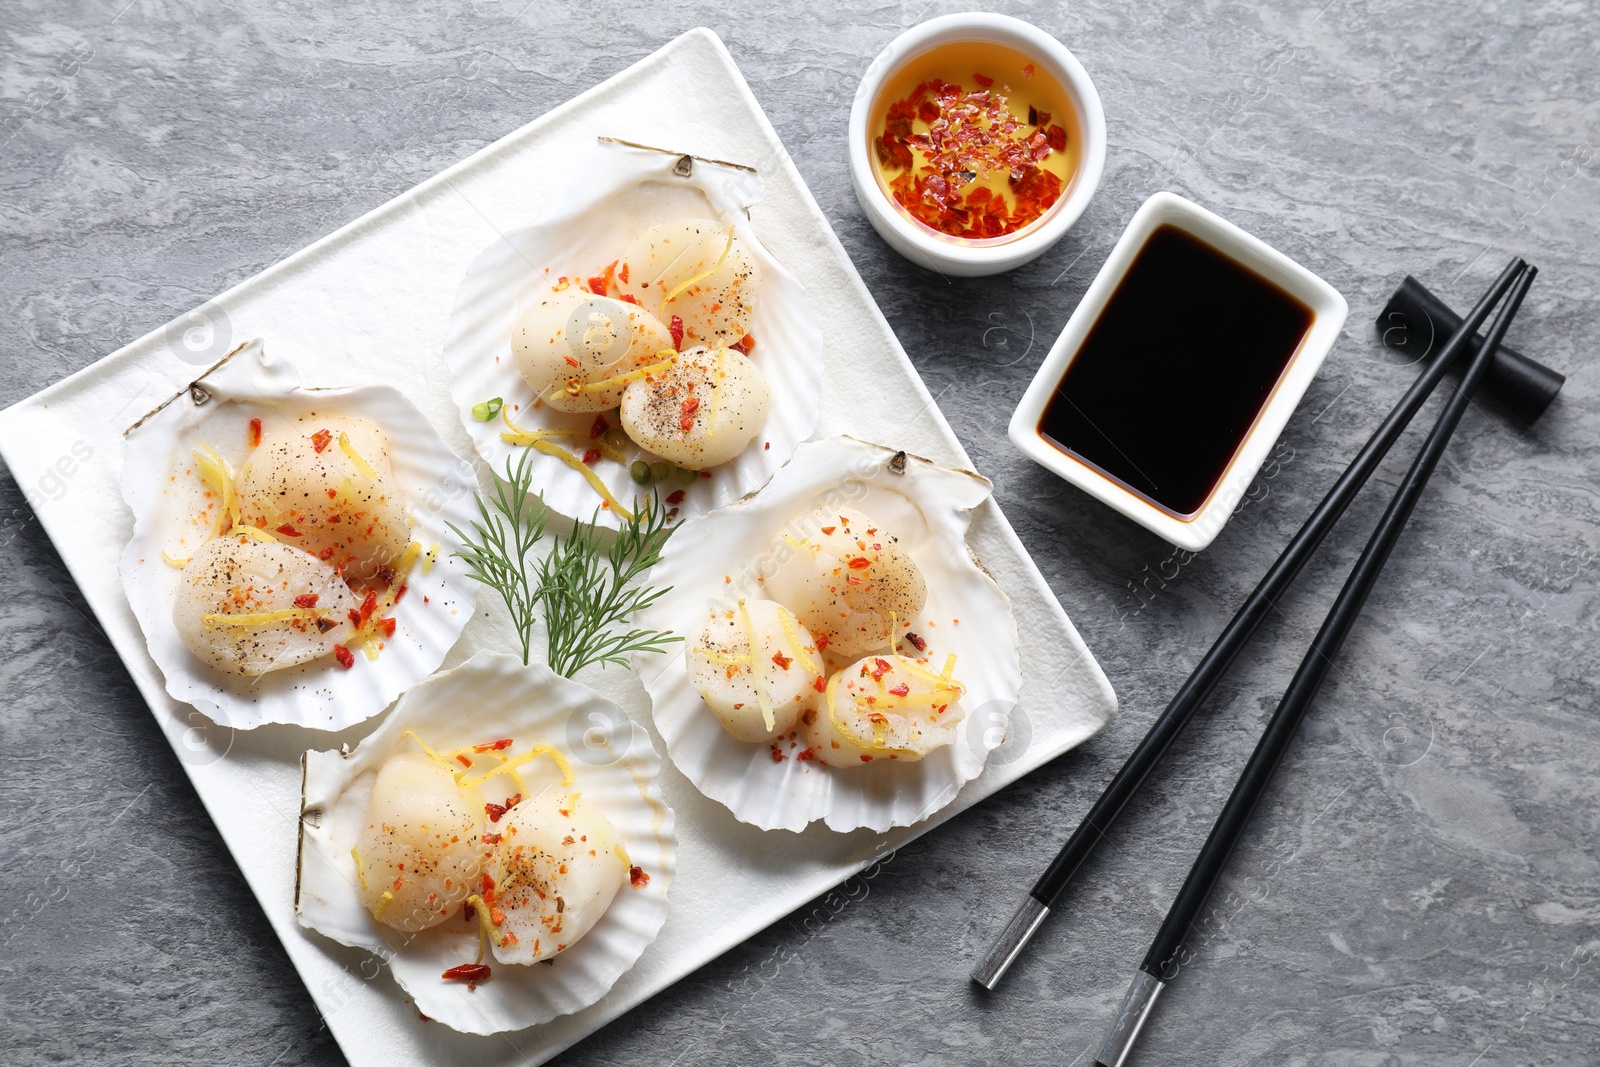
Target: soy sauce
(1175, 371)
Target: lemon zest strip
(263, 618)
(723, 659)
(757, 673)
(627, 378)
(674, 293)
(355, 457)
(516, 761)
(355, 854)
(795, 643)
(485, 928)
(582, 468)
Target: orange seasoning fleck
(344, 656)
(637, 877)
(320, 439)
(255, 432)
(781, 660)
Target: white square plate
(370, 303)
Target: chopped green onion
(660, 471)
(616, 439)
(488, 409)
(640, 472)
(687, 477)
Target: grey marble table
(1421, 884)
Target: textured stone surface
(1420, 885)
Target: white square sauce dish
(1179, 369)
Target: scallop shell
(615, 192)
(616, 768)
(438, 487)
(714, 558)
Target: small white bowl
(962, 256)
(1197, 530)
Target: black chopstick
(1166, 956)
(993, 966)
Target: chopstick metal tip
(1009, 945)
(1136, 1005)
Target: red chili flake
(675, 497)
(1056, 138)
(637, 878)
(386, 627)
(324, 625)
(1027, 71)
(386, 575)
(326, 553)
(255, 432)
(865, 758)
(777, 756)
(820, 684)
(486, 886)
(600, 426)
(629, 298)
(822, 642)
(494, 746)
(494, 811)
(320, 439)
(983, 80)
(514, 799)
(306, 600)
(860, 563)
(880, 667)
(675, 328)
(690, 406)
(591, 456)
(471, 973)
(602, 281)
(464, 760)
(491, 839)
(781, 660)
(571, 362)
(368, 606)
(744, 345)
(288, 530)
(901, 690)
(623, 274)
(805, 756)
(344, 656)
(399, 594)
(918, 643)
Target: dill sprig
(586, 588)
(498, 555)
(588, 591)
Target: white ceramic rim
(1024, 37)
(1329, 311)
